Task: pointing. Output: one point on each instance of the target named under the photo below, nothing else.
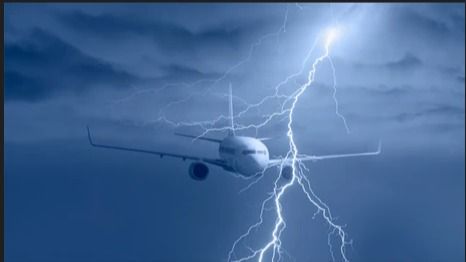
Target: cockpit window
(250, 152)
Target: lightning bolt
(298, 177)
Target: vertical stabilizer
(232, 123)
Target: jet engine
(198, 171)
(287, 172)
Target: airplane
(243, 155)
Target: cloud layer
(399, 78)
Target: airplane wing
(276, 162)
(217, 162)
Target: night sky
(131, 71)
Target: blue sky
(119, 67)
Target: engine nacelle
(287, 172)
(198, 171)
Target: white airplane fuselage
(245, 155)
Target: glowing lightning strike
(274, 245)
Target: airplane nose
(259, 162)
(252, 165)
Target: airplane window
(247, 152)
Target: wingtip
(379, 148)
(89, 135)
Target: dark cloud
(21, 87)
(384, 90)
(43, 64)
(419, 21)
(443, 111)
(168, 36)
(458, 22)
(184, 73)
(408, 62)
(412, 22)
(450, 71)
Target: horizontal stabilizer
(201, 138)
(264, 138)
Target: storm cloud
(43, 64)
(120, 67)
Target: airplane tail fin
(231, 132)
